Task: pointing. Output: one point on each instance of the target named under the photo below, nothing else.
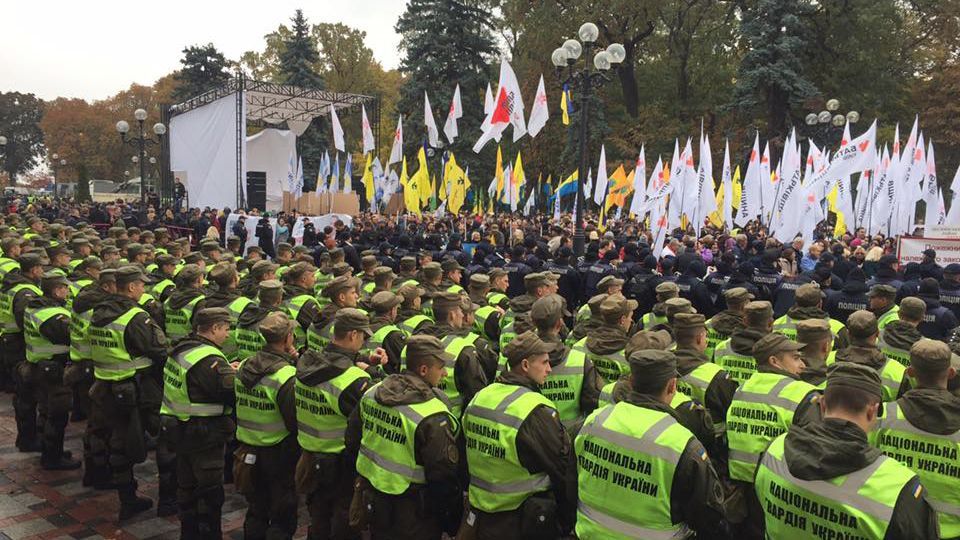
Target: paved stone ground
(39, 504)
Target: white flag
(766, 186)
(639, 190)
(298, 189)
(433, 135)
(750, 194)
(376, 169)
(684, 178)
(539, 113)
(726, 184)
(878, 202)
(953, 218)
(852, 157)
(707, 199)
(368, 144)
(528, 207)
(487, 109)
(931, 191)
(323, 175)
(292, 171)
(601, 190)
(456, 111)
(396, 153)
(913, 192)
(588, 185)
(507, 109)
(337, 129)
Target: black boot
(53, 456)
(58, 463)
(132, 504)
(189, 524)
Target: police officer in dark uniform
(785, 295)
(198, 397)
(717, 280)
(767, 277)
(929, 267)
(517, 270)
(128, 350)
(851, 298)
(886, 273)
(950, 288)
(642, 287)
(939, 321)
(568, 282)
(692, 288)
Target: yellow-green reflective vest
(788, 327)
(739, 366)
(161, 287)
(858, 505)
(322, 280)
(480, 321)
(892, 314)
(8, 322)
(932, 456)
(409, 326)
(695, 384)
(902, 356)
(651, 319)
(610, 366)
(892, 374)
(176, 396)
(236, 307)
(259, 422)
(376, 340)
(321, 424)
(293, 307)
(75, 288)
(79, 338)
(498, 481)
(564, 385)
(583, 313)
(387, 457)
(761, 410)
(507, 332)
(713, 338)
(606, 396)
(626, 460)
(7, 265)
(368, 288)
(317, 340)
(108, 349)
(39, 347)
(452, 345)
(456, 289)
(495, 298)
(178, 321)
(249, 341)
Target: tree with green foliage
(445, 43)
(20, 116)
(83, 183)
(204, 68)
(772, 74)
(298, 60)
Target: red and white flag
(539, 113)
(750, 194)
(507, 109)
(396, 153)
(456, 112)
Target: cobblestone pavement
(39, 504)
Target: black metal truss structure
(267, 104)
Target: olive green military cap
(862, 324)
(208, 316)
(930, 355)
(737, 295)
(547, 310)
(423, 347)
(384, 301)
(129, 274)
(851, 375)
(348, 319)
(615, 306)
(340, 284)
(808, 295)
(913, 308)
(813, 331)
(276, 326)
(689, 321)
(773, 344)
(883, 290)
(524, 346)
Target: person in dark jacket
(264, 234)
(886, 273)
(911, 281)
(852, 298)
(517, 270)
(929, 267)
(693, 289)
(767, 276)
(939, 321)
(569, 284)
(717, 280)
(950, 289)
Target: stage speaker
(257, 190)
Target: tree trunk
(628, 82)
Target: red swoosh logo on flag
(501, 112)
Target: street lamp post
(583, 80)
(56, 164)
(140, 142)
(828, 123)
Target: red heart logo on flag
(753, 156)
(864, 145)
(843, 142)
(810, 198)
(501, 111)
(764, 159)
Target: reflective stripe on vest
(858, 505)
(564, 385)
(321, 424)
(8, 322)
(376, 340)
(649, 320)
(38, 347)
(236, 307)
(79, 338)
(761, 410)
(480, 321)
(158, 289)
(176, 394)
(893, 314)
(627, 457)
(108, 349)
(892, 375)
(410, 325)
(317, 340)
(932, 456)
(498, 481)
(452, 345)
(902, 356)
(695, 384)
(249, 341)
(387, 456)
(259, 422)
(739, 366)
(495, 298)
(610, 366)
(293, 307)
(178, 321)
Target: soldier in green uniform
(368, 264)
(59, 257)
(411, 317)
(735, 354)
(247, 334)
(472, 355)
(260, 271)
(408, 271)
(883, 304)
(198, 396)
(519, 457)
(18, 290)
(657, 315)
(404, 440)
(128, 351)
(329, 386)
(452, 274)
(386, 334)
(608, 285)
(642, 427)
(862, 326)
(583, 328)
(808, 305)
(816, 340)
(722, 325)
(672, 308)
(298, 298)
(499, 282)
(487, 316)
(383, 280)
(164, 284)
(573, 384)
(81, 250)
(824, 478)
(46, 330)
(11, 252)
(343, 292)
(224, 275)
(537, 285)
(267, 432)
(605, 345)
(899, 335)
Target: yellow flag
(498, 172)
(619, 189)
(737, 188)
(517, 179)
(841, 226)
(716, 217)
(368, 178)
(411, 192)
(422, 176)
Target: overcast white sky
(94, 49)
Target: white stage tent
(209, 147)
